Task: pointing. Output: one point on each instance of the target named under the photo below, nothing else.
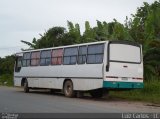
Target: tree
(7, 64)
(53, 37)
(144, 29)
(74, 33)
(89, 34)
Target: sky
(26, 19)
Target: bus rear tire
(98, 93)
(26, 88)
(68, 89)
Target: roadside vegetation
(143, 28)
(150, 92)
(6, 79)
(6, 70)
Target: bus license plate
(124, 78)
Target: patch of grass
(6, 79)
(150, 92)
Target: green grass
(150, 92)
(6, 79)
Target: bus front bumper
(122, 85)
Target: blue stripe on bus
(113, 84)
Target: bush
(6, 79)
(150, 92)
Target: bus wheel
(26, 88)
(98, 93)
(68, 89)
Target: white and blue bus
(94, 67)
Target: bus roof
(32, 50)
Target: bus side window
(70, 56)
(57, 55)
(45, 59)
(18, 64)
(95, 54)
(82, 54)
(35, 58)
(26, 59)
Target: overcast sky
(25, 19)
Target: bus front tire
(98, 93)
(26, 88)
(68, 89)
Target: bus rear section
(124, 67)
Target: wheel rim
(68, 88)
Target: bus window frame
(26, 60)
(45, 58)
(124, 43)
(96, 53)
(57, 57)
(77, 47)
(82, 55)
(38, 64)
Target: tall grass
(6, 79)
(150, 92)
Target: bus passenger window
(26, 59)
(70, 55)
(57, 56)
(82, 54)
(45, 58)
(95, 54)
(35, 56)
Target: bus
(95, 67)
